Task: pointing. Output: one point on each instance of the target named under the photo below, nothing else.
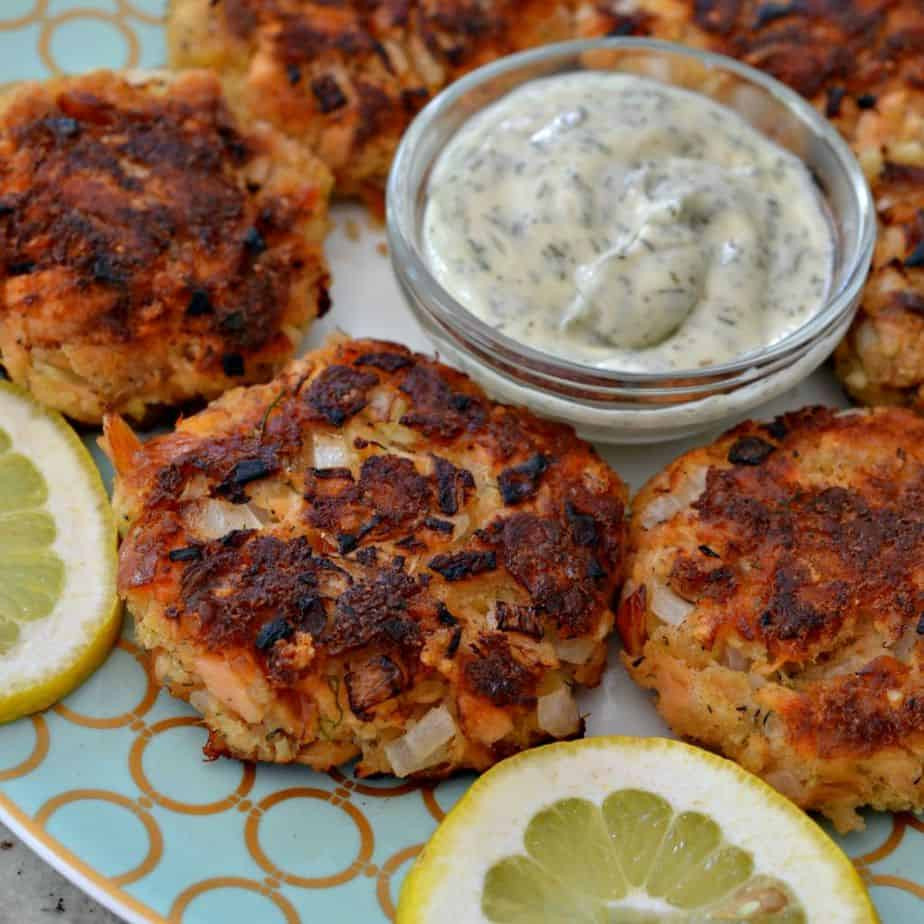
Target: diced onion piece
(575, 650)
(216, 518)
(736, 659)
(693, 485)
(144, 76)
(773, 727)
(380, 403)
(463, 525)
(424, 62)
(667, 606)
(664, 506)
(330, 451)
(196, 487)
(420, 746)
(265, 516)
(557, 713)
(396, 436)
(396, 56)
(272, 501)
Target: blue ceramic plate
(110, 786)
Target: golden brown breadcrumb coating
(364, 547)
(775, 604)
(153, 250)
(345, 77)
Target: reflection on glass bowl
(607, 405)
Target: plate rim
(77, 871)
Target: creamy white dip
(622, 223)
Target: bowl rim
(411, 267)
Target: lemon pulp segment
(574, 869)
(31, 574)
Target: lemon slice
(59, 614)
(629, 831)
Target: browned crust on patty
(154, 251)
(402, 577)
(791, 553)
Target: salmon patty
(368, 558)
(154, 251)
(774, 604)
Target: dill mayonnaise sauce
(618, 222)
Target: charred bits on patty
(518, 483)
(454, 485)
(439, 412)
(750, 450)
(386, 361)
(457, 566)
(370, 683)
(497, 675)
(339, 392)
(327, 92)
(518, 618)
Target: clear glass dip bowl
(602, 404)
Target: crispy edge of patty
(135, 283)
(796, 649)
(535, 521)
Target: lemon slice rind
(56, 653)
(488, 824)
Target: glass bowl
(602, 404)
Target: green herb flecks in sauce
(615, 221)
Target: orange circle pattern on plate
(252, 837)
(376, 792)
(432, 806)
(36, 13)
(230, 882)
(899, 823)
(51, 24)
(155, 838)
(136, 766)
(39, 751)
(896, 882)
(383, 884)
(128, 8)
(118, 721)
